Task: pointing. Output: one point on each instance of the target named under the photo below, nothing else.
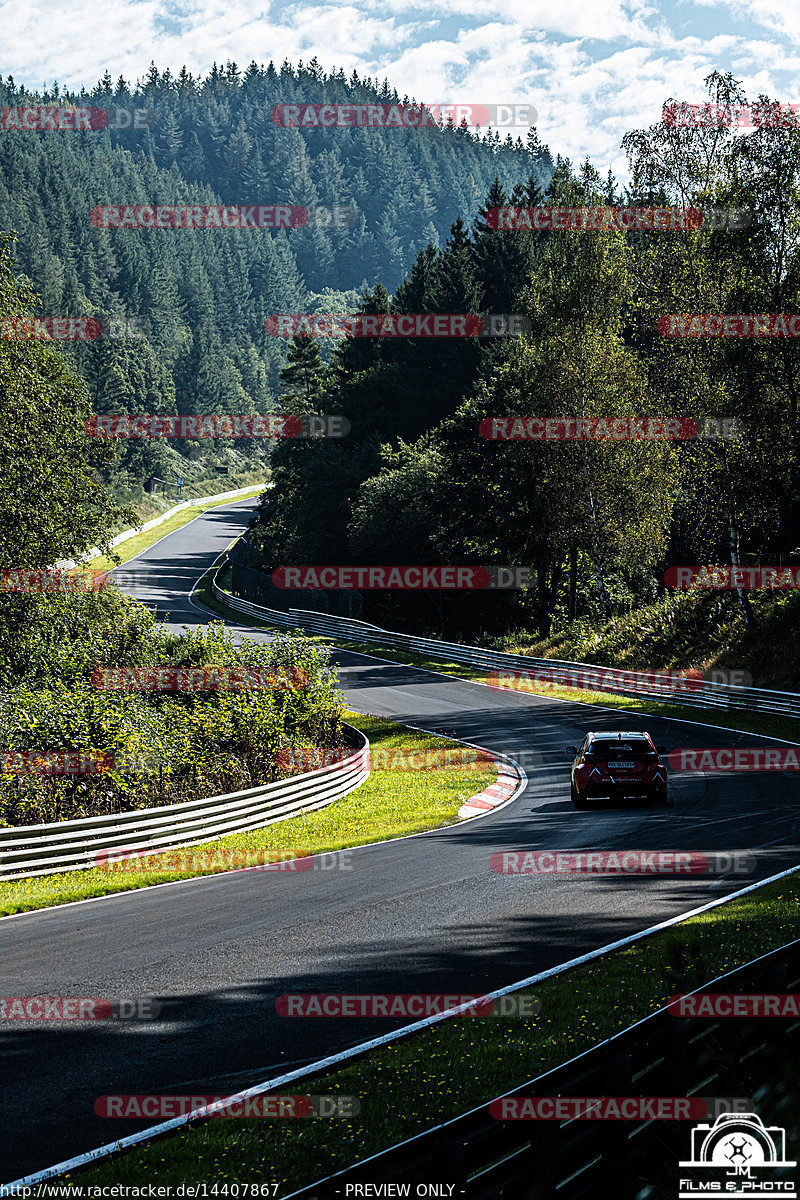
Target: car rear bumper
(624, 789)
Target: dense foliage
(151, 748)
(52, 502)
(601, 521)
(201, 297)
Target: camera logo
(738, 1143)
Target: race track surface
(423, 914)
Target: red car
(617, 766)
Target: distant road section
(163, 576)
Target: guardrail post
(543, 1156)
(777, 975)
(612, 1178)
(454, 1163)
(676, 1063)
(776, 978)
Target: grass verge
(408, 1086)
(390, 804)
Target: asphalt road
(424, 914)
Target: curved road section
(421, 914)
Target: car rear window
(628, 748)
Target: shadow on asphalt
(217, 1042)
(252, 1042)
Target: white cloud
(592, 71)
(781, 16)
(604, 19)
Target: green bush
(65, 635)
(160, 747)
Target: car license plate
(629, 766)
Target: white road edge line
(343, 1055)
(560, 699)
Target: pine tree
(169, 137)
(303, 371)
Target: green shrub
(161, 747)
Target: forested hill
(202, 296)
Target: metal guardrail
(32, 850)
(692, 693)
(484, 1158)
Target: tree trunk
(572, 602)
(597, 557)
(743, 598)
(547, 595)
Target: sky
(591, 69)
